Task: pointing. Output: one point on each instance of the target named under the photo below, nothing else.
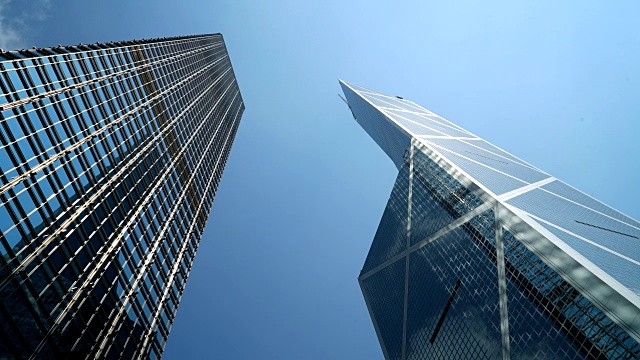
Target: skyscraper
(110, 157)
(482, 255)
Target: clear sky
(304, 189)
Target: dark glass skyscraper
(110, 157)
(480, 255)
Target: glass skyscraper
(480, 255)
(110, 157)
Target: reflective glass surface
(445, 280)
(111, 154)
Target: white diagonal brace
(502, 288)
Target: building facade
(110, 157)
(480, 255)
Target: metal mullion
(84, 94)
(179, 72)
(50, 130)
(70, 148)
(167, 68)
(133, 130)
(37, 196)
(84, 128)
(56, 66)
(55, 284)
(10, 143)
(177, 262)
(139, 93)
(72, 62)
(23, 75)
(115, 110)
(43, 116)
(171, 69)
(41, 57)
(137, 312)
(130, 95)
(154, 284)
(225, 152)
(92, 58)
(223, 156)
(152, 53)
(123, 93)
(124, 58)
(117, 55)
(58, 180)
(68, 61)
(141, 66)
(203, 200)
(126, 193)
(116, 320)
(8, 88)
(67, 157)
(31, 139)
(125, 47)
(502, 288)
(156, 69)
(88, 165)
(16, 219)
(28, 182)
(30, 81)
(85, 71)
(15, 208)
(63, 121)
(78, 113)
(42, 132)
(34, 296)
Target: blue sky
(305, 187)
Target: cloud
(14, 23)
(9, 35)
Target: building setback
(480, 255)
(110, 157)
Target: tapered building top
(591, 247)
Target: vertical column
(406, 272)
(502, 287)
